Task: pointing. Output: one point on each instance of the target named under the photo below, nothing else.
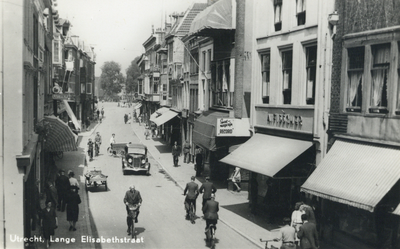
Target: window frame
(383, 66)
(278, 23)
(310, 101)
(267, 70)
(287, 91)
(301, 15)
(349, 73)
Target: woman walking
(48, 222)
(73, 200)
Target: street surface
(162, 221)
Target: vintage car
(135, 159)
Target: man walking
(192, 190)
(207, 188)
(176, 152)
(287, 235)
(63, 187)
(308, 234)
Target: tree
(111, 78)
(132, 75)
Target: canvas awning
(137, 106)
(72, 115)
(219, 16)
(355, 173)
(204, 131)
(157, 113)
(266, 154)
(59, 136)
(165, 117)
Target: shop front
(168, 123)
(358, 185)
(215, 132)
(278, 167)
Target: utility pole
(239, 60)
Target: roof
(184, 26)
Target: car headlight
(143, 161)
(130, 160)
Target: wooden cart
(94, 178)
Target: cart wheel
(105, 185)
(110, 151)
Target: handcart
(94, 178)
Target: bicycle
(210, 235)
(267, 246)
(192, 216)
(131, 218)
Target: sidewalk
(234, 210)
(76, 162)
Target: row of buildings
(46, 73)
(303, 96)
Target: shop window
(287, 57)
(265, 71)
(379, 78)
(355, 74)
(88, 88)
(301, 12)
(278, 14)
(311, 67)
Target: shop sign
(64, 96)
(232, 127)
(286, 120)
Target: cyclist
(90, 148)
(210, 211)
(132, 196)
(97, 141)
(112, 140)
(192, 190)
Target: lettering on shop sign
(287, 121)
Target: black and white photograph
(215, 124)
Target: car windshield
(136, 151)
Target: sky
(117, 29)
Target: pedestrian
(98, 113)
(147, 133)
(308, 234)
(186, 151)
(199, 161)
(73, 201)
(236, 178)
(49, 222)
(287, 235)
(63, 186)
(51, 194)
(72, 180)
(102, 111)
(125, 118)
(309, 211)
(176, 152)
(87, 123)
(90, 148)
(140, 119)
(207, 188)
(296, 220)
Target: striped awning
(137, 106)
(59, 136)
(355, 173)
(165, 117)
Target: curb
(182, 188)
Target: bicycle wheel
(110, 151)
(212, 239)
(133, 229)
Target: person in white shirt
(112, 139)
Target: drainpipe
(239, 61)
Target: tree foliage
(111, 78)
(132, 75)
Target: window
(155, 87)
(57, 52)
(194, 60)
(88, 88)
(140, 88)
(355, 74)
(287, 57)
(311, 60)
(204, 62)
(209, 60)
(265, 71)
(301, 12)
(220, 76)
(278, 14)
(379, 76)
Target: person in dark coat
(210, 211)
(199, 161)
(192, 191)
(176, 152)
(49, 222)
(308, 234)
(63, 186)
(132, 197)
(87, 122)
(207, 188)
(125, 118)
(51, 194)
(73, 201)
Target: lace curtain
(378, 79)
(355, 81)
